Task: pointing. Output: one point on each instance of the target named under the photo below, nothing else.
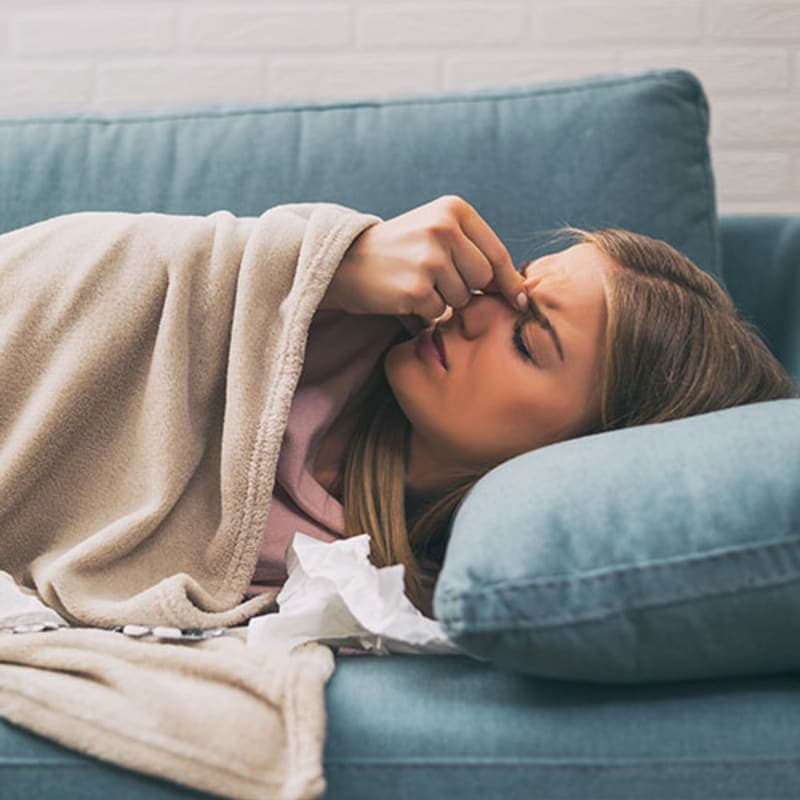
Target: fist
(422, 262)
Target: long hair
(675, 346)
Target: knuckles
(443, 222)
(451, 201)
(431, 258)
(442, 228)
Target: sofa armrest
(761, 270)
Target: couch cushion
(761, 269)
(667, 551)
(432, 727)
(624, 150)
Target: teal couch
(611, 150)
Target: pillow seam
(610, 574)
(475, 627)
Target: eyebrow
(545, 323)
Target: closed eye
(534, 314)
(519, 345)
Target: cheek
(406, 378)
(428, 404)
(563, 414)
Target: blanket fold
(147, 363)
(213, 715)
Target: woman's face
(492, 403)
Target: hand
(422, 262)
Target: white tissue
(336, 596)
(21, 607)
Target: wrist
(331, 301)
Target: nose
(482, 311)
(449, 310)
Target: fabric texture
(668, 551)
(215, 715)
(148, 366)
(341, 352)
(762, 273)
(627, 150)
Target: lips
(437, 340)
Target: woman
(622, 330)
(153, 440)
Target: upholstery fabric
(623, 150)
(762, 273)
(660, 552)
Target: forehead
(584, 256)
(580, 270)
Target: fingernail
(522, 301)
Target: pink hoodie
(340, 353)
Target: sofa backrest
(628, 151)
(625, 150)
(761, 268)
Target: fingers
(526, 267)
(431, 306)
(472, 269)
(505, 276)
(448, 312)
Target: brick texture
(89, 55)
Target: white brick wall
(124, 55)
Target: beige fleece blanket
(147, 365)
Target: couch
(624, 150)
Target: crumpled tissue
(21, 610)
(335, 595)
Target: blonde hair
(675, 346)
